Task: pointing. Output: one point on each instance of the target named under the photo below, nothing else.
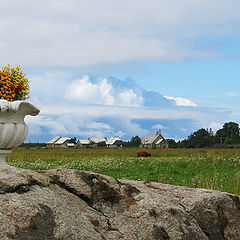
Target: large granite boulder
(69, 204)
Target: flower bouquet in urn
(14, 88)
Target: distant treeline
(40, 145)
(228, 136)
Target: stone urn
(13, 129)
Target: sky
(125, 68)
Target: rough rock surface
(69, 204)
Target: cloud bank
(82, 33)
(89, 106)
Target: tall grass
(200, 168)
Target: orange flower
(13, 84)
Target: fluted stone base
(3, 154)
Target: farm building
(97, 139)
(154, 141)
(94, 141)
(52, 142)
(114, 142)
(83, 142)
(60, 142)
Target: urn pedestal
(13, 129)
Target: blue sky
(199, 78)
(125, 68)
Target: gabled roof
(54, 140)
(83, 141)
(62, 140)
(159, 141)
(97, 139)
(153, 138)
(113, 140)
(149, 139)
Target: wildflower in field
(13, 84)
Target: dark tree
(73, 140)
(135, 141)
(182, 144)
(229, 134)
(171, 143)
(200, 138)
(101, 144)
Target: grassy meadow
(202, 168)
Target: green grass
(201, 168)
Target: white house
(114, 142)
(83, 142)
(97, 139)
(154, 141)
(52, 142)
(62, 142)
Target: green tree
(182, 144)
(229, 134)
(73, 140)
(101, 144)
(201, 138)
(227, 141)
(135, 141)
(171, 143)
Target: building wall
(63, 145)
(50, 145)
(163, 144)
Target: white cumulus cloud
(86, 91)
(129, 98)
(182, 101)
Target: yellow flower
(13, 84)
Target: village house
(51, 143)
(114, 142)
(150, 141)
(97, 139)
(83, 143)
(154, 141)
(63, 142)
(60, 142)
(94, 141)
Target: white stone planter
(13, 129)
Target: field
(201, 168)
